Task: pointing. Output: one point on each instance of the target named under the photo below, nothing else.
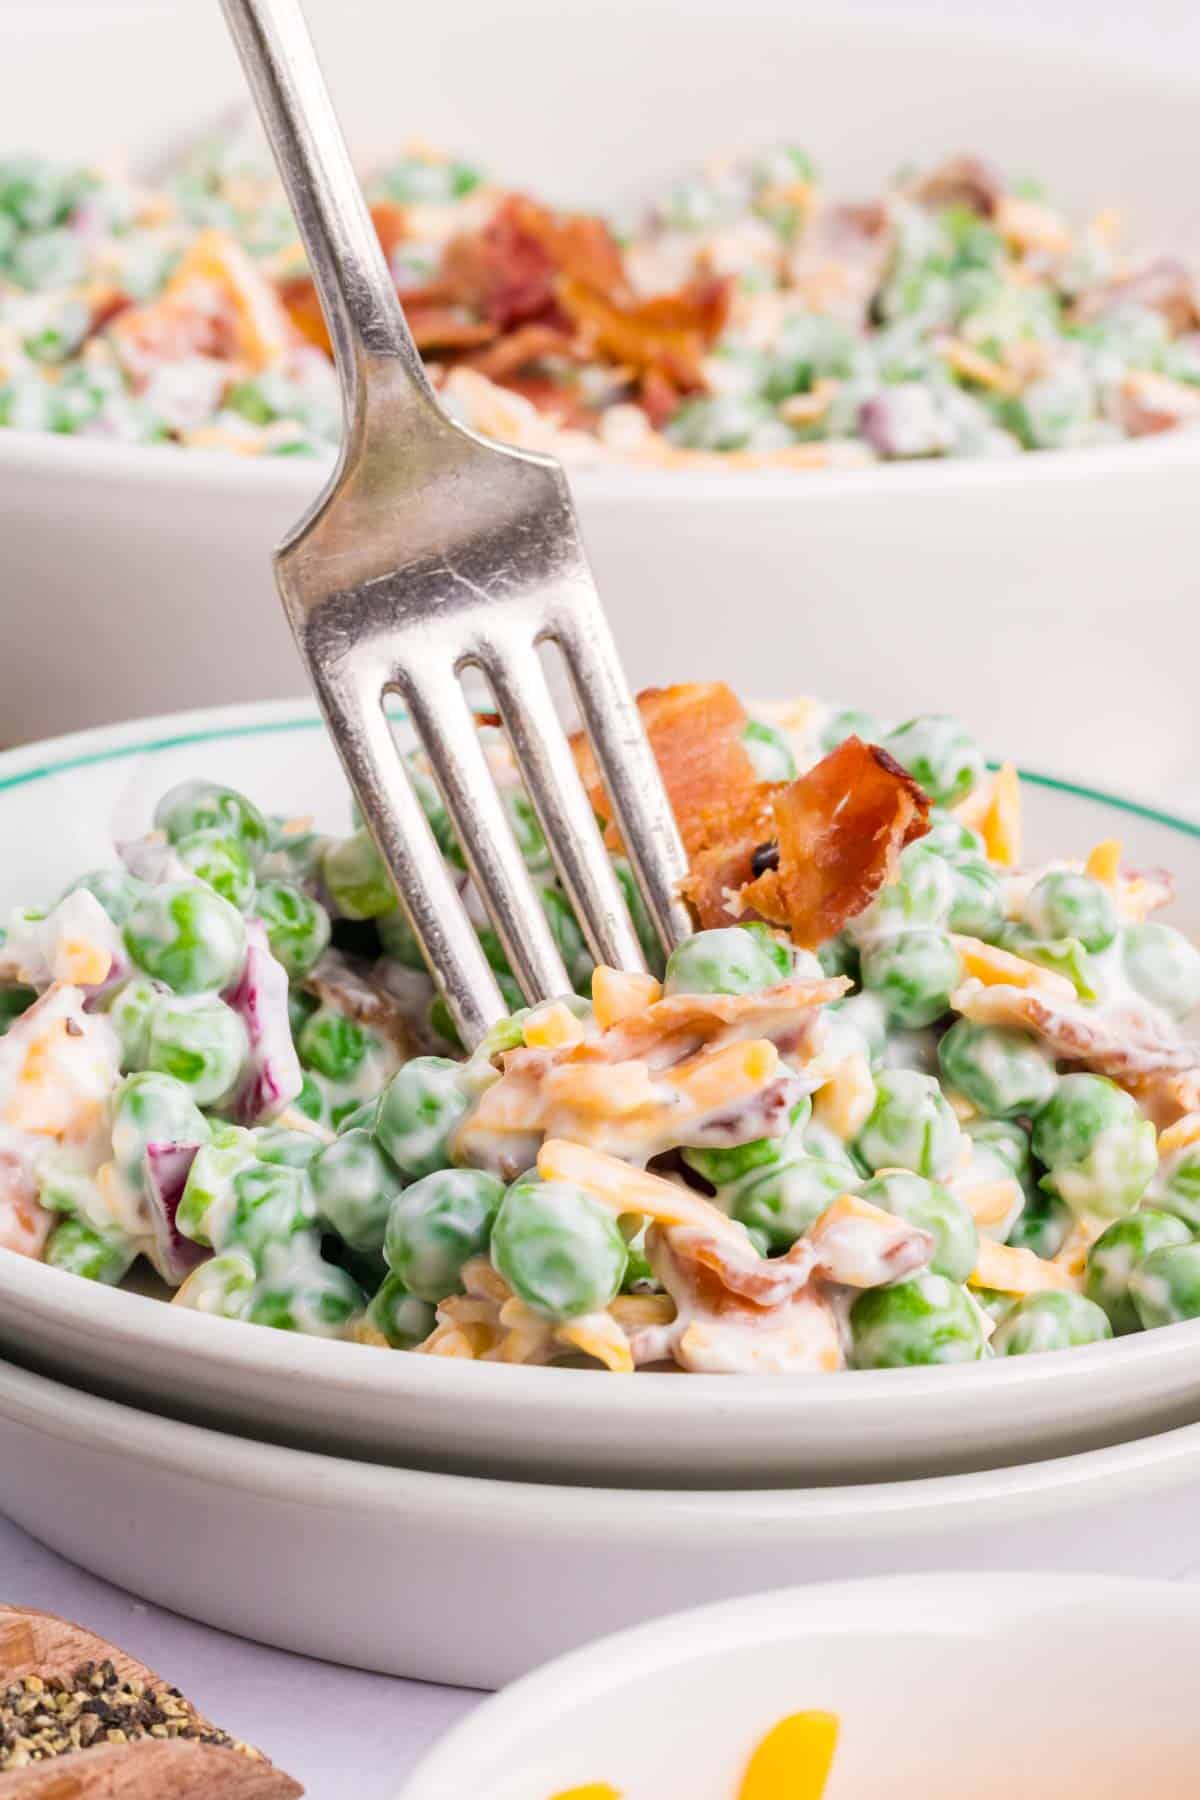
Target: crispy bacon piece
(695, 732)
(528, 344)
(840, 829)
(667, 334)
(961, 181)
(507, 271)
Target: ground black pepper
(42, 1717)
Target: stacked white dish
(461, 1522)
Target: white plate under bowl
(1044, 593)
(61, 804)
(450, 1578)
(943, 1686)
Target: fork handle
(372, 345)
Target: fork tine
(548, 769)
(427, 890)
(450, 738)
(631, 774)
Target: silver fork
(432, 551)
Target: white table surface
(344, 1734)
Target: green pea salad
(901, 1098)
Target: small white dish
(61, 806)
(449, 1578)
(1039, 594)
(942, 1686)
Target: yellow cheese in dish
(595, 1790)
(620, 994)
(1014, 1271)
(1104, 861)
(793, 1760)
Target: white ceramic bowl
(1039, 595)
(943, 1686)
(449, 1578)
(61, 806)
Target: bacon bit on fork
(840, 829)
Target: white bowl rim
(139, 1321)
(964, 1603)
(477, 1504)
(227, 472)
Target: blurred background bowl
(1049, 599)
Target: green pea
(859, 1021)
(932, 1208)
(914, 973)
(920, 896)
(526, 828)
(849, 723)
(925, 1319)
(564, 929)
(301, 1007)
(559, 1250)
(403, 1319)
(939, 755)
(839, 956)
(222, 861)
(1050, 1321)
(977, 905)
(911, 1126)
(332, 1044)
(75, 1247)
(131, 1008)
(781, 1204)
(1098, 1149)
(1163, 966)
(769, 751)
(13, 1002)
(639, 1271)
(202, 1043)
(1043, 1226)
(206, 806)
(1176, 1186)
(1065, 904)
(208, 1203)
(1003, 1071)
(398, 939)
(186, 935)
(298, 929)
(729, 960)
(315, 1298)
(648, 937)
(1117, 1252)
(421, 1108)
(116, 890)
(278, 1144)
(952, 839)
(153, 1109)
(437, 1225)
(355, 1185)
(271, 1202)
(1165, 1287)
(721, 1167)
(311, 1100)
(356, 878)
(1009, 1141)
(222, 1286)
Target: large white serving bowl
(61, 807)
(1050, 596)
(450, 1578)
(942, 1685)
